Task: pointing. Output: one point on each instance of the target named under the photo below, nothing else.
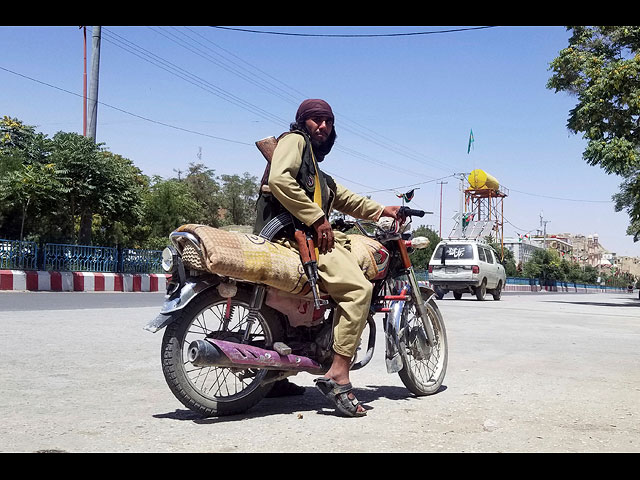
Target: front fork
(394, 324)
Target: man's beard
(323, 147)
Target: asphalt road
(541, 372)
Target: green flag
(471, 140)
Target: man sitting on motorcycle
(299, 187)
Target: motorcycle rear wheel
(217, 391)
(424, 366)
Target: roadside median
(29, 280)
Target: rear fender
(176, 302)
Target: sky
(405, 100)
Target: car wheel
(481, 290)
(497, 293)
(457, 295)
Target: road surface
(541, 372)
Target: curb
(561, 288)
(82, 281)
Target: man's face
(319, 128)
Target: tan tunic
(285, 164)
(339, 272)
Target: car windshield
(453, 251)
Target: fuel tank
(382, 262)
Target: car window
(481, 255)
(453, 251)
(489, 254)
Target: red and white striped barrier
(82, 281)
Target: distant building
(522, 249)
(562, 243)
(584, 250)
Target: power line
(150, 57)
(124, 111)
(354, 35)
(560, 198)
(159, 62)
(359, 130)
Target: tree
(26, 178)
(30, 183)
(239, 198)
(78, 157)
(601, 67)
(544, 264)
(508, 261)
(420, 258)
(118, 211)
(205, 190)
(98, 182)
(168, 204)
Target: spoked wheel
(424, 366)
(217, 391)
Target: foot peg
(282, 348)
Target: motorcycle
(227, 340)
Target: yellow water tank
(481, 180)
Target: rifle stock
(267, 146)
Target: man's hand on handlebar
(401, 213)
(392, 212)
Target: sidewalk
(82, 281)
(156, 282)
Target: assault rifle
(305, 241)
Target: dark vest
(272, 219)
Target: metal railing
(17, 254)
(140, 261)
(77, 258)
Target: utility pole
(461, 219)
(93, 87)
(543, 230)
(440, 229)
(545, 233)
(84, 83)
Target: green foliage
(239, 194)
(508, 261)
(548, 266)
(601, 67)
(169, 204)
(67, 189)
(420, 258)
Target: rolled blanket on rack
(245, 256)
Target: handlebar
(405, 212)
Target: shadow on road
(632, 303)
(311, 402)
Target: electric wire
(144, 54)
(125, 111)
(173, 69)
(353, 35)
(141, 117)
(358, 131)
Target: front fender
(174, 303)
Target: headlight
(168, 259)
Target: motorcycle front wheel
(217, 391)
(424, 365)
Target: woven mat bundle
(249, 257)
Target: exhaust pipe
(219, 353)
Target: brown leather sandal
(339, 396)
